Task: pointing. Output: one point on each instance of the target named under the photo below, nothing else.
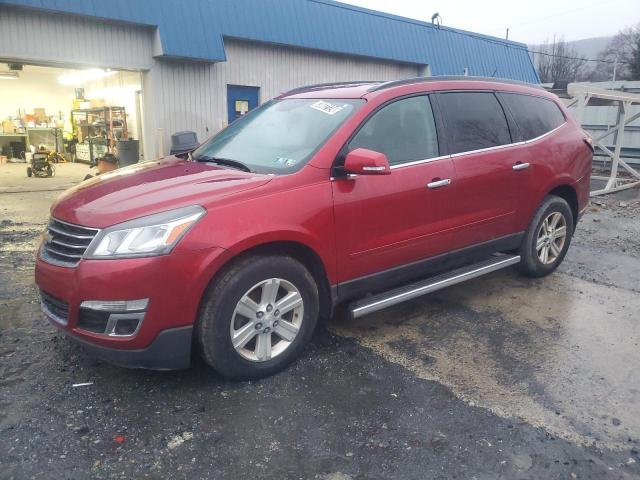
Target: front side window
(404, 131)
(280, 136)
(474, 120)
(535, 116)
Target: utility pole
(506, 37)
(615, 67)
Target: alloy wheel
(551, 238)
(267, 320)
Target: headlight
(146, 236)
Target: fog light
(114, 318)
(125, 326)
(116, 305)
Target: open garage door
(64, 123)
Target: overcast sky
(530, 22)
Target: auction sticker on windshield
(326, 107)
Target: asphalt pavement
(501, 377)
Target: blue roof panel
(195, 29)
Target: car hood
(147, 188)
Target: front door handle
(439, 183)
(520, 166)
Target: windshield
(280, 136)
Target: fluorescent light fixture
(82, 76)
(8, 75)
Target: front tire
(547, 239)
(257, 317)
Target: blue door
(240, 100)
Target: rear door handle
(439, 183)
(520, 166)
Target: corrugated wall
(192, 96)
(195, 29)
(178, 95)
(49, 39)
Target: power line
(619, 62)
(526, 49)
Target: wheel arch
(570, 195)
(300, 251)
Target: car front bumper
(171, 350)
(173, 285)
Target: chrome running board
(402, 294)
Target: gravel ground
(502, 377)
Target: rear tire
(241, 332)
(547, 239)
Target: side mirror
(366, 162)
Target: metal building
(203, 62)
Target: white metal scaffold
(584, 95)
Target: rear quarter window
(534, 116)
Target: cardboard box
(7, 127)
(97, 103)
(40, 115)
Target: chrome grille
(65, 243)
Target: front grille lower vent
(55, 307)
(65, 243)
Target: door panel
(489, 194)
(488, 188)
(390, 220)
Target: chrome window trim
(547, 133)
(480, 150)
(419, 162)
(488, 149)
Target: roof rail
(408, 81)
(321, 86)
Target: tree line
(558, 61)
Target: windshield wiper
(226, 162)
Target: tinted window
(535, 116)
(474, 121)
(404, 131)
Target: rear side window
(535, 116)
(474, 120)
(404, 131)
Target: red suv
(367, 192)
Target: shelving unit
(98, 130)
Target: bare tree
(618, 55)
(634, 66)
(558, 61)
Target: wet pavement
(501, 377)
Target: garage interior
(68, 115)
